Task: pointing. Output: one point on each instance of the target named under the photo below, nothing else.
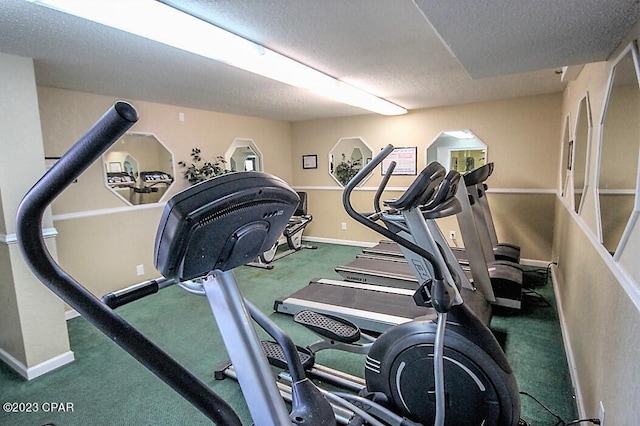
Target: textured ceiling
(388, 47)
(523, 35)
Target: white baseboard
(70, 314)
(339, 242)
(38, 370)
(573, 371)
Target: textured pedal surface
(275, 355)
(328, 326)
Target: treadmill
(373, 308)
(376, 307)
(384, 248)
(388, 270)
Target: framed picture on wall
(310, 161)
(406, 161)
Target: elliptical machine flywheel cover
(399, 370)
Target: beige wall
(107, 260)
(599, 296)
(101, 239)
(66, 115)
(33, 330)
(602, 324)
(521, 135)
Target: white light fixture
(159, 22)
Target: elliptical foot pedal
(329, 326)
(275, 355)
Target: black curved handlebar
(383, 186)
(109, 128)
(346, 201)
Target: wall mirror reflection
(619, 150)
(581, 143)
(459, 150)
(565, 161)
(138, 169)
(243, 155)
(347, 157)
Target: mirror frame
(583, 103)
(244, 143)
(632, 49)
(364, 157)
(105, 168)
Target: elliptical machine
(423, 369)
(211, 228)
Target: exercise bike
(291, 236)
(211, 228)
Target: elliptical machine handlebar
(361, 218)
(135, 292)
(383, 186)
(106, 131)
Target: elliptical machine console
(221, 224)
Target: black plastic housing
(222, 223)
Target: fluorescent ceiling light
(159, 22)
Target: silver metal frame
(473, 252)
(243, 347)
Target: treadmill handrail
(104, 133)
(346, 201)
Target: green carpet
(106, 386)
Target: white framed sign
(406, 159)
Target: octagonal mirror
(619, 150)
(459, 150)
(138, 169)
(347, 157)
(581, 143)
(243, 155)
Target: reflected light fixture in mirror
(619, 150)
(243, 155)
(581, 143)
(459, 150)
(138, 168)
(347, 157)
